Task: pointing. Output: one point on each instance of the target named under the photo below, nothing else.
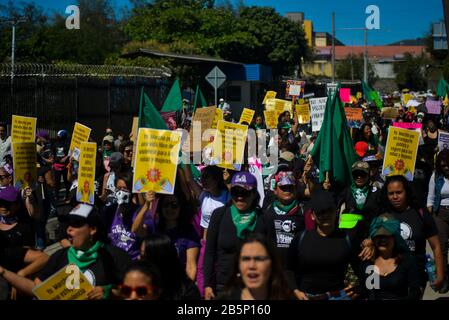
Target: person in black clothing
(258, 274)
(60, 152)
(392, 274)
(417, 226)
(284, 216)
(102, 264)
(421, 177)
(318, 259)
(228, 226)
(159, 250)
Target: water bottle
(342, 296)
(431, 271)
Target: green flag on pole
(333, 151)
(173, 102)
(443, 88)
(149, 117)
(371, 95)
(199, 96)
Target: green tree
(352, 68)
(411, 73)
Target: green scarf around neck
(83, 259)
(284, 209)
(244, 221)
(360, 195)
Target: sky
(399, 19)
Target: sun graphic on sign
(399, 165)
(153, 175)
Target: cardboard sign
(433, 107)
(229, 145)
(203, 117)
(271, 120)
(80, 134)
(247, 116)
(218, 117)
(443, 140)
(23, 129)
(390, 113)
(269, 95)
(86, 173)
(134, 129)
(400, 153)
(69, 283)
(317, 107)
(157, 157)
(345, 95)
(354, 117)
(24, 164)
(303, 112)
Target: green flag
(333, 151)
(202, 100)
(371, 94)
(443, 88)
(149, 117)
(173, 102)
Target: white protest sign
(443, 140)
(317, 107)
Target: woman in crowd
(159, 250)
(392, 273)
(438, 204)
(60, 151)
(229, 226)
(258, 274)
(417, 226)
(140, 282)
(430, 137)
(101, 263)
(365, 134)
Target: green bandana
(359, 195)
(244, 222)
(83, 259)
(280, 209)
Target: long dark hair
(148, 269)
(160, 251)
(127, 210)
(441, 156)
(216, 173)
(278, 288)
(411, 199)
(359, 136)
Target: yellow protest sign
(406, 97)
(134, 129)
(359, 95)
(303, 112)
(269, 95)
(271, 120)
(80, 134)
(229, 145)
(218, 117)
(157, 156)
(24, 164)
(270, 103)
(400, 153)
(69, 283)
(86, 173)
(282, 105)
(206, 117)
(247, 115)
(23, 129)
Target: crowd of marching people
(213, 238)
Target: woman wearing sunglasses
(175, 215)
(229, 226)
(140, 282)
(258, 274)
(102, 264)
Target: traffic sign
(216, 77)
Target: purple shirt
(183, 241)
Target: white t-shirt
(209, 204)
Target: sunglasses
(141, 291)
(362, 174)
(255, 258)
(240, 193)
(172, 205)
(4, 176)
(287, 188)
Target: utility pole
(365, 60)
(333, 47)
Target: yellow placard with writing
(80, 134)
(218, 117)
(271, 120)
(270, 104)
(359, 95)
(86, 173)
(229, 145)
(23, 129)
(157, 156)
(269, 95)
(247, 115)
(400, 153)
(24, 163)
(303, 112)
(69, 283)
(282, 105)
(203, 120)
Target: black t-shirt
(402, 283)
(21, 235)
(108, 269)
(60, 150)
(420, 183)
(318, 264)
